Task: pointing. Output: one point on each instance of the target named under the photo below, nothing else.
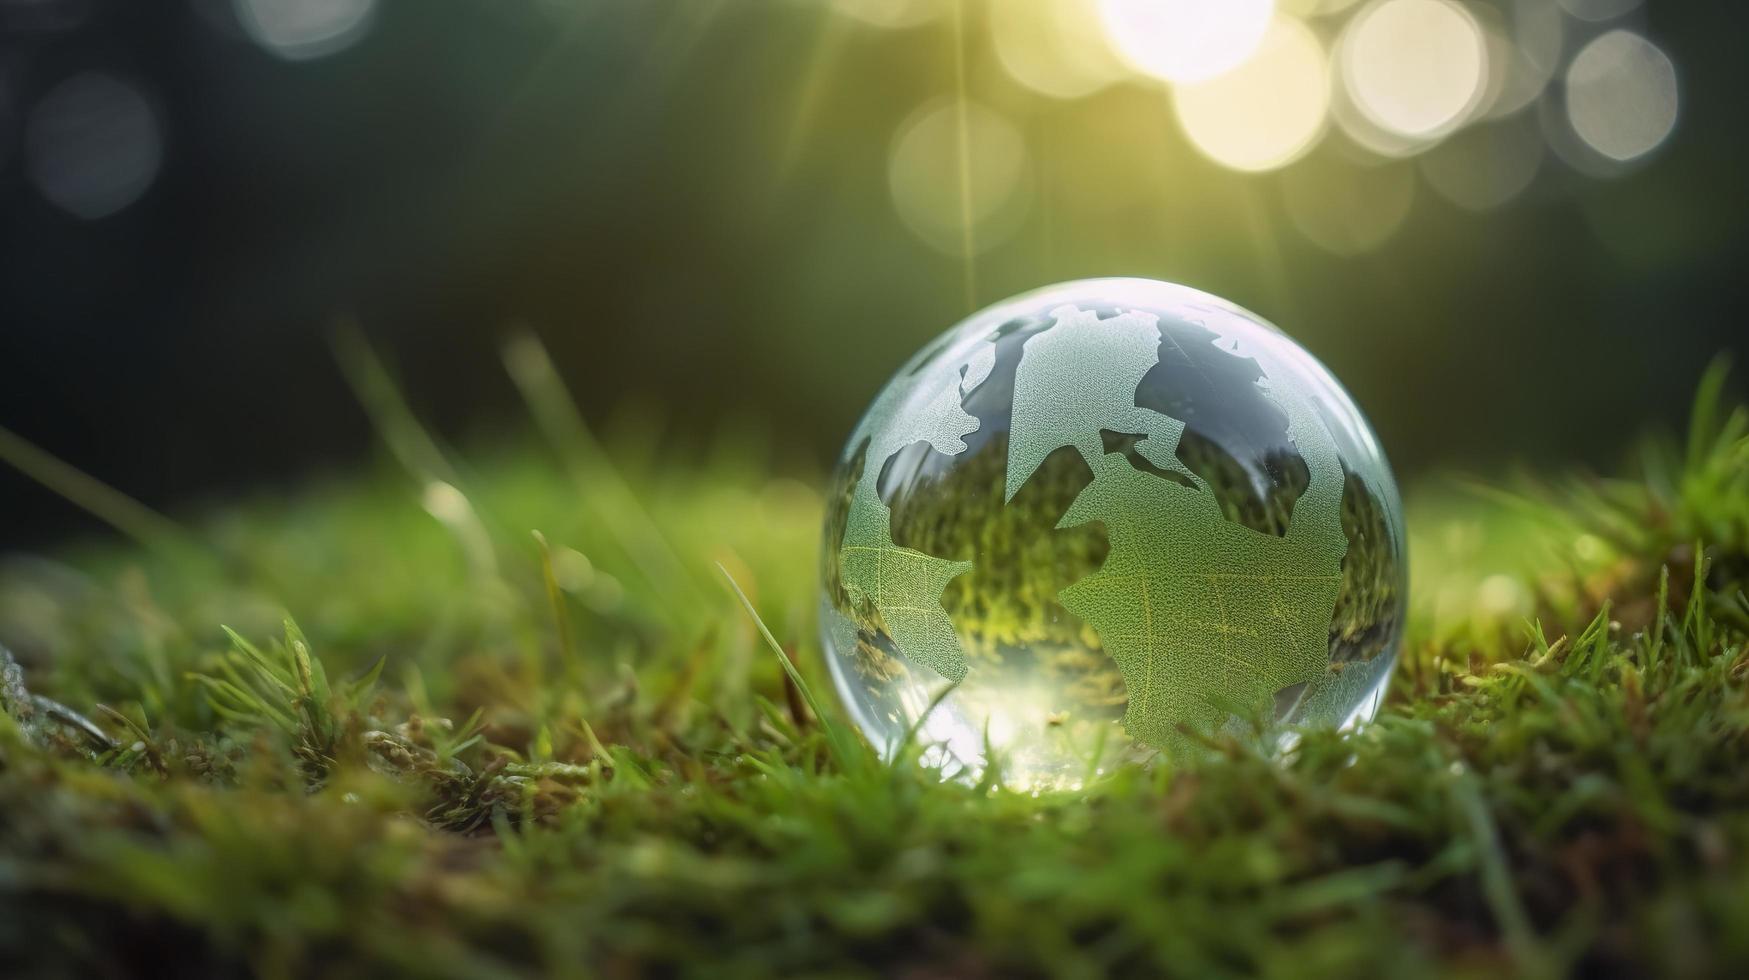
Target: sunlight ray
(968, 245)
(811, 85)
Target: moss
(1567, 799)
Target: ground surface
(482, 753)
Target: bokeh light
(1598, 9)
(1186, 40)
(1269, 110)
(1524, 42)
(93, 145)
(959, 173)
(1486, 165)
(298, 30)
(1346, 209)
(891, 14)
(1416, 68)
(1313, 8)
(1053, 47)
(1368, 136)
(1621, 95)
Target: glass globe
(1103, 520)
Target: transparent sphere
(1094, 521)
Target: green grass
(433, 743)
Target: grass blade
(835, 737)
(144, 525)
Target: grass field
(376, 727)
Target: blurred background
(1515, 228)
